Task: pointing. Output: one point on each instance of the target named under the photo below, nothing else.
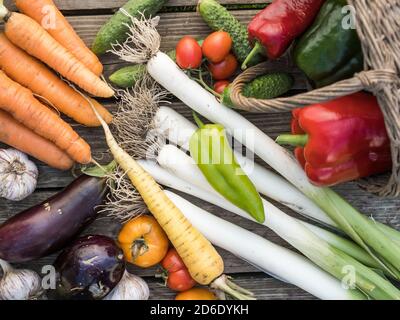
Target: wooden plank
(75, 5)
(263, 288)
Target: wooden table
(177, 19)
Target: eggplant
(49, 226)
(89, 269)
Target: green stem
(196, 118)
(258, 49)
(295, 140)
(227, 286)
(206, 86)
(363, 232)
(389, 231)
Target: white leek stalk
(265, 255)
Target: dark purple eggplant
(89, 269)
(49, 226)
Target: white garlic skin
(18, 175)
(19, 284)
(130, 287)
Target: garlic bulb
(130, 287)
(19, 284)
(18, 175)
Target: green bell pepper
(328, 52)
(210, 149)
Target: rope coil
(378, 28)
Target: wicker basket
(378, 27)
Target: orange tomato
(196, 294)
(143, 241)
(217, 46)
(225, 69)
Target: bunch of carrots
(33, 42)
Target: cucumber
(126, 77)
(269, 86)
(219, 18)
(115, 29)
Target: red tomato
(225, 69)
(220, 86)
(178, 277)
(180, 280)
(172, 262)
(188, 53)
(217, 46)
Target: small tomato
(188, 53)
(178, 276)
(196, 294)
(217, 46)
(225, 69)
(143, 241)
(180, 280)
(220, 86)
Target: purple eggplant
(49, 226)
(89, 269)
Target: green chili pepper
(210, 148)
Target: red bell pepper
(341, 140)
(274, 28)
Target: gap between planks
(92, 7)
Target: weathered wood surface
(87, 16)
(78, 5)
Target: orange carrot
(20, 137)
(22, 105)
(30, 36)
(47, 14)
(34, 75)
